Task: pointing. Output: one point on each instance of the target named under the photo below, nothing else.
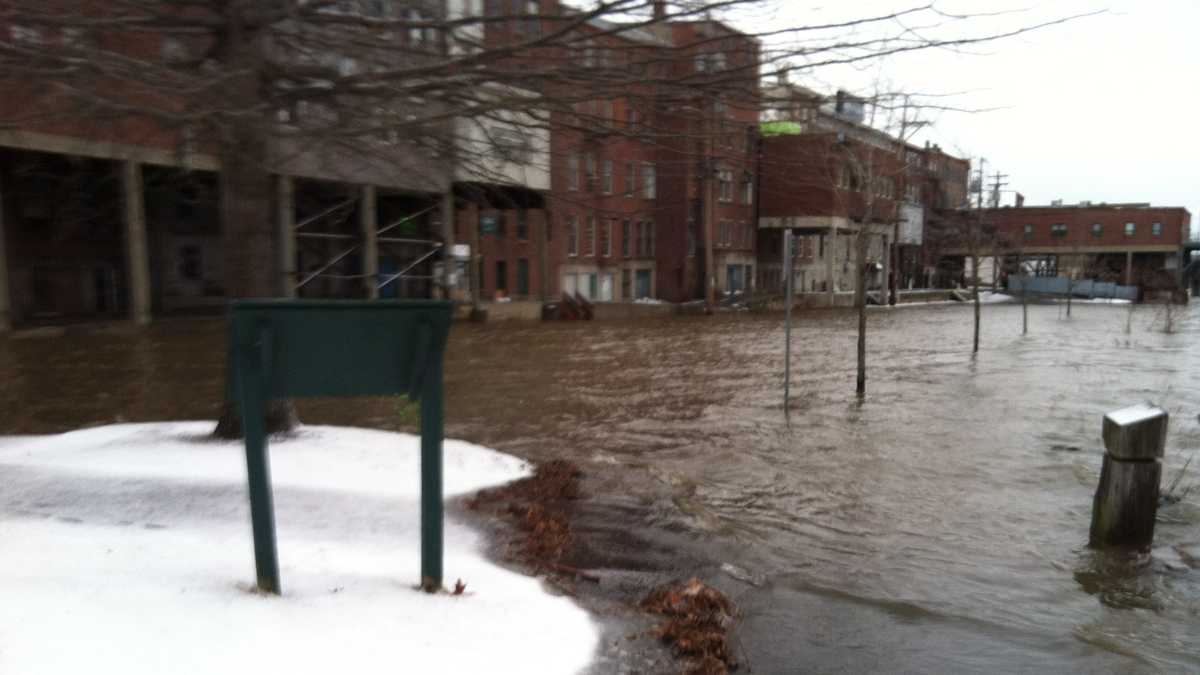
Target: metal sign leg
(262, 509)
(431, 477)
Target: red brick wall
(800, 175)
(1010, 223)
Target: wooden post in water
(1126, 501)
(787, 316)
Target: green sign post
(294, 348)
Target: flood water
(939, 525)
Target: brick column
(5, 301)
(543, 254)
(368, 223)
(449, 262)
(137, 259)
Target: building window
(626, 243)
(606, 237)
(532, 24)
(649, 182)
(725, 185)
(487, 223)
(589, 237)
(1097, 230)
(1058, 230)
(522, 276)
(522, 225)
(590, 169)
(1029, 231)
(653, 235)
(606, 177)
(1130, 229)
(510, 145)
(1156, 229)
(572, 236)
(501, 275)
(630, 179)
(573, 171)
(416, 34)
(748, 188)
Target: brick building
(1133, 244)
(646, 180)
(830, 179)
(109, 214)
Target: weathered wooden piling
(1126, 501)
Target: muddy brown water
(937, 526)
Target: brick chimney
(660, 10)
(1020, 200)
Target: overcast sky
(1103, 108)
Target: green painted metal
(296, 348)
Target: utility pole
(894, 255)
(707, 167)
(974, 252)
(997, 183)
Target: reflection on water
(940, 525)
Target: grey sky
(1102, 108)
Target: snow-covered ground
(127, 549)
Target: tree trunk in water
(860, 301)
(1024, 311)
(975, 286)
(247, 201)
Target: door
(733, 278)
(606, 288)
(642, 284)
(523, 277)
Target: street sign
(293, 348)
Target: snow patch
(127, 549)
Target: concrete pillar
(1129, 268)
(830, 255)
(1126, 502)
(449, 263)
(5, 300)
(137, 258)
(368, 222)
(285, 221)
(543, 254)
(885, 291)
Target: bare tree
(390, 93)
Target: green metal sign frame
(295, 348)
